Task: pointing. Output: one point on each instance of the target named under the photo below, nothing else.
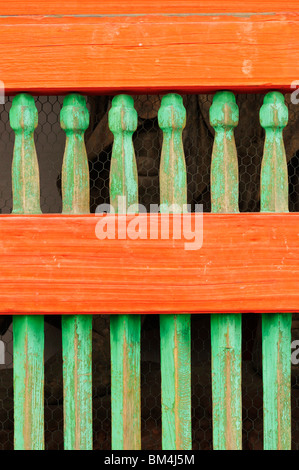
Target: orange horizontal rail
(93, 7)
(184, 51)
(55, 264)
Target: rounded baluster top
(74, 115)
(122, 115)
(23, 114)
(172, 113)
(274, 112)
(224, 111)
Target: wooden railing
(46, 265)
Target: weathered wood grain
(28, 330)
(226, 330)
(76, 329)
(175, 330)
(149, 53)
(124, 329)
(93, 7)
(56, 264)
(276, 328)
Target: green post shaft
(276, 327)
(28, 330)
(76, 329)
(225, 328)
(124, 329)
(175, 330)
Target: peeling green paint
(226, 329)
(77, 381)
(74, 118)
(175, 330)
(123, 170)
(25, 173)
(124, 329)
(125, 382)
(276, 327)
(28, 330)
(76, 329)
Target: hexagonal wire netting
(198, 140)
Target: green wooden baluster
(28, 330)
(175, 330)
(225, 328)
(276, 327)
(76, 329)
(124, 329)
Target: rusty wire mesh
(198, 141)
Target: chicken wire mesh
(198, 141)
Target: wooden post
(76, 329)
(124, 329)
(276, 327)
(28, 330)
(226, 328)
(175, 330)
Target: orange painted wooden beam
(121, 52)
(93, 7)
(56, 264)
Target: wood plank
(142, 54)
(56, 264)
(77, 381)
(93, 7)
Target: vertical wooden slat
(225, 329)
(175, 330)
(276, 327)
(28, 330)
(124, 329)
(76, 329)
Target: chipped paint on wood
(176, 381)
(77, 381)
(276, 327)
(160, 49)
(136, 7)
(226, 381)
(274, 172)
(224, 116)
(123, 170)
(28, 372)
(175, 330)
(28, 330)
(74, 118)
(225, 329)
(125, 381)
(76, 329)
(124, 329)
(242, 256)
(25, 173)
